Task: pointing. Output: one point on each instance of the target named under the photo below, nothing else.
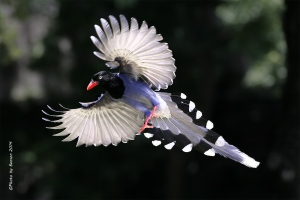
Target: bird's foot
(148, 119)
(144, 127)
(153, 112)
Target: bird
(133, 103)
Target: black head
(101, 78)
(110, 81)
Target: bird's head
(100, 78)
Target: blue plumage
(139, 95)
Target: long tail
(186, 128)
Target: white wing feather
(108, 121)
(140, 48)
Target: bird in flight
(132, 104)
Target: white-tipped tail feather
(188, 148)
(197, 130)
(210, 152)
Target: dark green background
(237, 60)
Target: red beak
(92, 84)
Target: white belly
(162, 109)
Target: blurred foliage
(265, 48)
(9, 50)
(230, 57)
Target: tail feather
(187, 128)
(168, 139)
(230, 151)
(205, 148)
(188, 107)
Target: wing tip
(45, 119)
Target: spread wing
(136, 50)
(105, 121)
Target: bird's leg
(148, 119)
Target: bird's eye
(100, 77)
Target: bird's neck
(115, 87)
